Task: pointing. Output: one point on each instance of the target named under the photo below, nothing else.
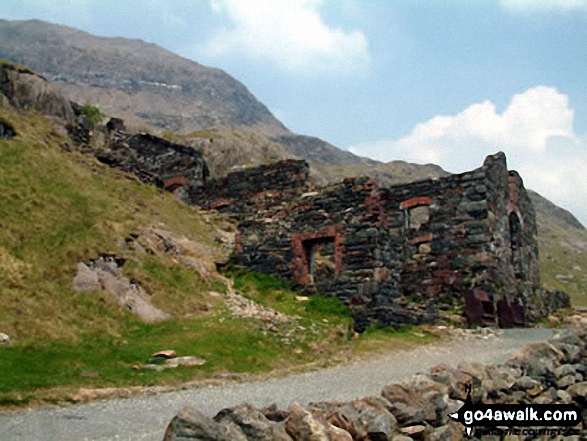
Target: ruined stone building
(462, 244)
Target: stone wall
(249, 190)
(551, 372)
(154, 160)
(401, 255)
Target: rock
(564, 396)
(454, 379)
(303, 425)
(525, 383)
(273, 413)
(104, 274)
(191, 424)
(473, 369)
(364, 418)
(452, 431)
(167, 353)
(4, 338)
(566, 381)
(401, 438)
(184, 361)
(154, 367)
(85, 280)
(578, 391)
(253, 423)
(543, 399)
(539, 358)
(415, 432)
(6, 130)
(535, 391)
(417, 400)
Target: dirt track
(145, 418)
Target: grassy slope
(59, 208)
(563, 258)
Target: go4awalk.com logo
(496, 417)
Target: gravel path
(145, 418)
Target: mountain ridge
(148, 85)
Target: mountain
(316, 151)
(137, 81)
(149, 86)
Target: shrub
(92, 114)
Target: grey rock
(566, 381)
(253, 423)
(190, 424)
(85, 280)
(309, 425)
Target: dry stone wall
(552, 372)
(246, 191)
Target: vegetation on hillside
(60, 208)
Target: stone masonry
(401, 255)
(154, 160)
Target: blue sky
(421, 80)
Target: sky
(427, 81)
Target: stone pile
(543, 373)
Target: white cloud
(544, 5)
(535, 131)
(290, 34)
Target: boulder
(190, 424)
(85, 280)
(253, 423)
(417, 400)
(365, 418)
(184, 361)
(306, 425)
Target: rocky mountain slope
(140, 82)
(149, 86)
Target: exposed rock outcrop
(27, 90)
(6, 130)
(104, 274)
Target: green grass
(228, 345)
(59, 208)
(564, 253)
(19, 68)
(273, 292)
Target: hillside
(140, 82)
(62, 210)
(149, 86)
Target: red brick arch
(175, 182)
